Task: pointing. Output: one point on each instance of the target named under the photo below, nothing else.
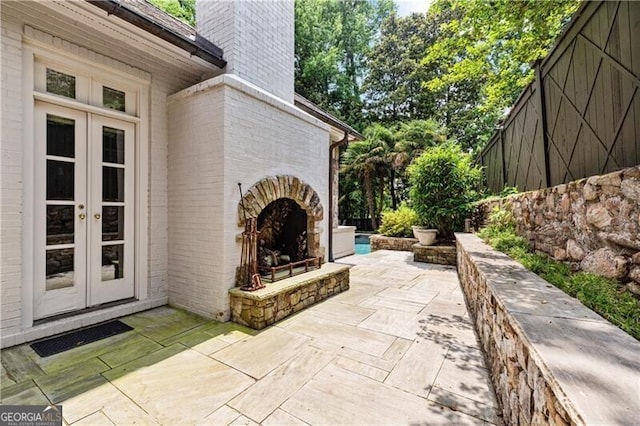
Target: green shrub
(444, 184)
(398, 223)
(508, 190)
(603, 295)
(508, 241)
(501, 220)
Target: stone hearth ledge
(264, 307)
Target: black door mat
(55, 345)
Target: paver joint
(397, 347)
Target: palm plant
(411, 138)
(368, 161)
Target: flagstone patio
(397, 348)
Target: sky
(407, 7)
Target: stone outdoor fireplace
(288, 213)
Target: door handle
(82, 216)
(97, 215)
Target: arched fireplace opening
(288, 215)
(282, 227)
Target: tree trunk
(371, 202)
(381, 204)
(392, 190)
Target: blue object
(362, 244)
(363, 248)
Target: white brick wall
(222, 132)
(196, 170)
(11, 179)
(214, 134)
(96, 48)
(158, 232)
(257, 37)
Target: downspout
(332, 148)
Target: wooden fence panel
(581, 116)
(492, 155)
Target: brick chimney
(257, 37)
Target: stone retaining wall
(381, 242)
(551, 360)
(261, 308)
(593, 223)
(442, 255)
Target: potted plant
(444, 184)
(426, 235)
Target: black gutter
(312, 109)
(333, 147)
(199, 47)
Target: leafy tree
(184, 10)
(463, 63)
(390, 149)
(316, 52)
(351, 202)
(483, 56)
(333, 40)
(395, 89)
(413, 137)
(382, 139)
(393, 86)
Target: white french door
(84, 174)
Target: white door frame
(91, 286)
(70, 298)
(100, 291)
(44, 50)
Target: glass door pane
(113, 207)
(60, 202)
(112, 262)
(60, 186)
(60, 233)
(60, 237)
(113, 178)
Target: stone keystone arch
(273, 188)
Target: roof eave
(199, 47)
(314, 110)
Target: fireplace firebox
(282, 241)
(282, 227)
